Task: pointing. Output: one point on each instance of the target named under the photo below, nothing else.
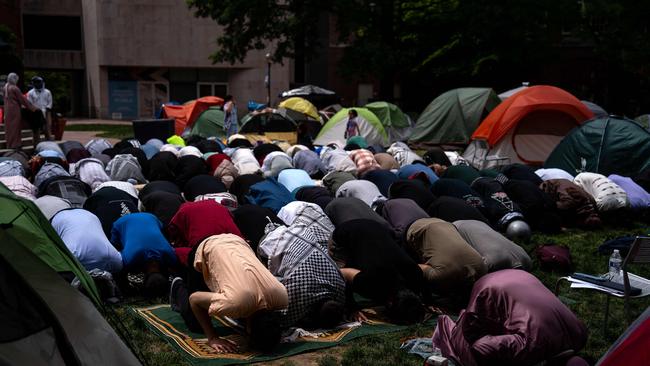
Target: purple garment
(638, 197)
(511, 319)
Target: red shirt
(196, 221)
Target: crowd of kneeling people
(282, 236)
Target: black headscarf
(318, 195)
(242, 184)
(459, 189)
(162, 166)
(400, 214)
(109, 204)
(202, 184)
(159, 186)
(385, 268)
(538, 208)
(162, 204)
(189, 166)
(413, 189)
(344, 209)
(261, 151)
(521, 172)
(207, 146)
(451, 209)
(74, 155)
(240, 143)
(382, 179)
(436, 155)
(251, 221)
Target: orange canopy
(186, 114)
(507, 115)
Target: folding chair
(639, 254)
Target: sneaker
(177, 284)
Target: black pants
(193, 283)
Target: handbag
(552, 257)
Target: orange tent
(527, 126)
(186, 114)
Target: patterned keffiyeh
(298, 257)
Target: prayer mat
(193, 346)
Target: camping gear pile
(436, 222)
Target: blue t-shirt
(141, 239)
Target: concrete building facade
(127, 57)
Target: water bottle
(615, 262)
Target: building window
(45, 32)
(206, 89)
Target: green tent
(453, 116)
(369, 126)
(210, 123)
(396, 123)
(23, 224)
(606, 146)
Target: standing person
(230, 121)
(14, 100)
(41, 98)
(352, 128)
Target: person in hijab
(344, 209)
(337, 160)
(497, 250)
(297, 255)
(575, 206)
(242, 184)
(109, 204)
(536, 206)
(309, 161)
(607, 194)
(382, 179)
(262, 150)
(162, 199)
(275, 162)
(188, 166)
(194, 222)
(140, 155)
(363, 190)
(252, 221)
(436, 155)
(245, 162)
(20, 186)
(222, 167)
(449, 264)
(413, 189)
(14, 100)
(521, 172)
(462, 172)
(638, 197)
(458, 189)
(400, 214)
(511, 319)
(202, 184)
(314, 194)
(162, 166)
(374, 266)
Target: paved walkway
(85, 136)
(90, 121)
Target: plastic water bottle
(615, 262)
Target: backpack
(47, 171)
(69, 188)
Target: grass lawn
(384, 349)
(104, 130)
